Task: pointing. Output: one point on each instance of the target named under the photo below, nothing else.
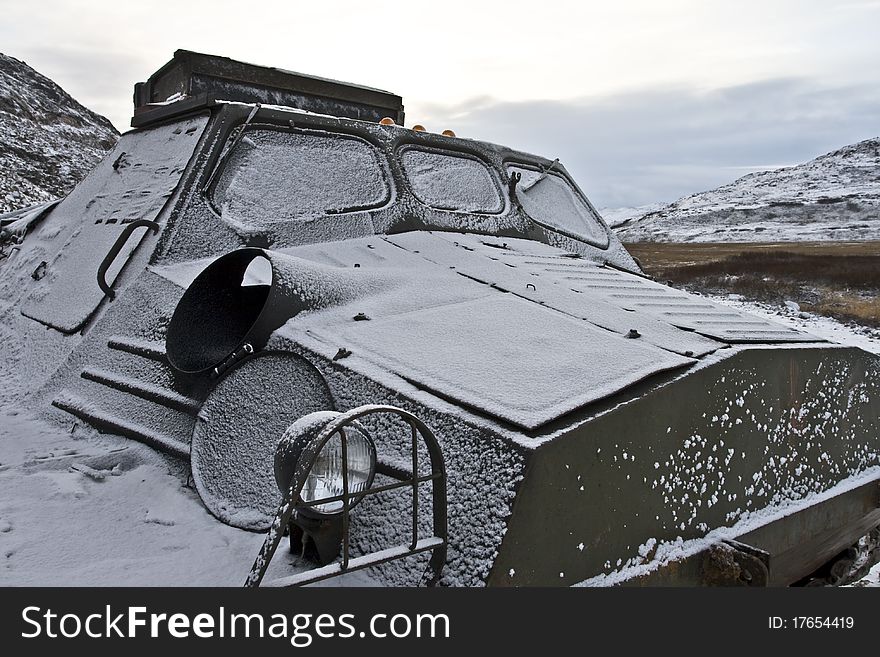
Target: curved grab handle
(116, 248)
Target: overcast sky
(643, 100)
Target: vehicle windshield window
(449, 181)
(550, 199)
(279, 176)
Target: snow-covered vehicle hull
(595, 426)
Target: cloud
(648, 144)
(101, 79)
(662, 143)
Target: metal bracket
(512, 182)
(243, 351)
(731, 563)
(116, 248)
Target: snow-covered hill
(833, 197)
(615, 217)
(48, 141)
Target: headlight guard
(305, 441)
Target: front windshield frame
(557, 169)
(490, 168)
(377, 151)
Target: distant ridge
(833, 197)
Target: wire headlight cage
(337, 438)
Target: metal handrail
(116, 248)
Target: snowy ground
(82, 509)
(85, 510)
(616, 216)
(77, 508)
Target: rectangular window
(448, 181)
(551, 200)
(284, 176)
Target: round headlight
(325, 477)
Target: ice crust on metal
(133, 182)
(508, 357)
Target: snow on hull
(137, 522)
(749, 433)
(133, 183)
(519, 362)
(121, 370)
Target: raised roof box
(201, 79)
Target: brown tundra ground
(836, 279)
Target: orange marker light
(418, 127)
(387, 121)
(448, 133)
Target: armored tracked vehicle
(426, 356)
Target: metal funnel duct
(242, 297)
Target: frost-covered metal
(195, 76)
(596, 426)
(133, 183)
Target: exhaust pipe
(235, 304)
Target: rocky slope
(833, 197)
(48, 141)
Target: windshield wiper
(229, 147)
(543, 175)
